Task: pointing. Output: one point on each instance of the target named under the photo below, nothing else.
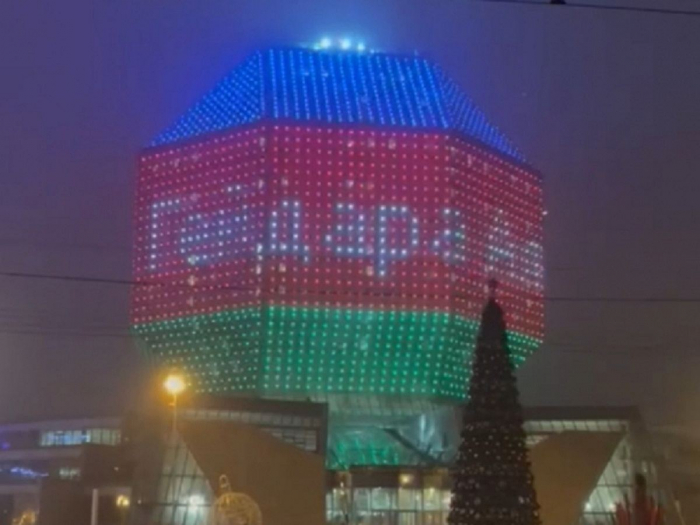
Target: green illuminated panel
(218, 352)
(293, 351)
(367, 447)
(366, 351)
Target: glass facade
(632, 455)
(368, 491)
(60, 433)
(63, 438)
(300, 431)
(184, 494)
(389, 506)
(37, 454)
(389, 502)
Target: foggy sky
(605, 104)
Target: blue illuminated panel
(351, 88)
(235, 101)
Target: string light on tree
(493, 483)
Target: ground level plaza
(300, 466)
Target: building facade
(322, 225)
(273, 452)
(48, 469)
(584, 461)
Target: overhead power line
(74, 278)
(572, 299)
(127, 282)
(562, 4)
(638, 352)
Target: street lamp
(175, 385)
(123, 504)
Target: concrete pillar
(95, 506)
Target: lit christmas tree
(493, 483)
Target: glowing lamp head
(342, 44)
(405, 479)
(123, 501)
(174, 384)
(195, 500)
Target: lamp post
(123, 504)
(175, 385)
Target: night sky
(606, 104)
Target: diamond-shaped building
(322, 224)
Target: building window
(69, 473)
(65, 438)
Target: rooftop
(337, 87)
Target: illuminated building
(321, 225)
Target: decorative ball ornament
(28, 517)
(234, 508)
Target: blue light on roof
(236, 100)
(344, 44)
(335, 86)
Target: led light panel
(333, 236)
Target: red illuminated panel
(476, 217)
(504, 209)
(372, 206)
(336, 218)
(200, 223)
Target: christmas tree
(493, 483)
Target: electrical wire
(594, 349)
(576, 5)
(552, 349)
(18, 323)
(127, 282)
